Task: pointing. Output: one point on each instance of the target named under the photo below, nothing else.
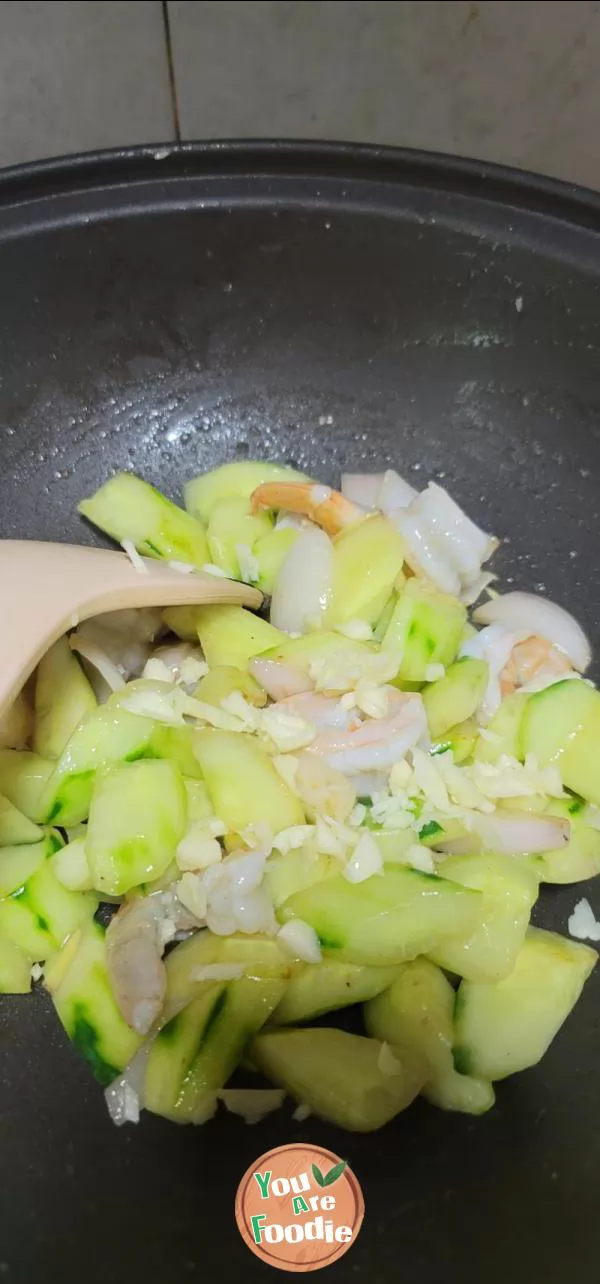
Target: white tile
(81, 74)
(512, 82)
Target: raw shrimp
(135, 943)
(533, 660)
(377, 743)
(327, 507)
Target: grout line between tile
(171, 69)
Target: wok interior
(430, 334)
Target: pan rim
(370, 164)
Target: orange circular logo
(299, 1207)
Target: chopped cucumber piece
(137, 818)
(199, 1047)
(72, 867)
(15, 969)
(455, 697)
(41, 913)
(231, 525)
(509, 889)
(236, 480)
(302, 652)
(426, 628)
(387, 918)
(81, 992)
(109, 735)
(17, 864)
(580, 859)
(177, 745)
(259, 956)
(231, 635)
(322, 987)
(242, 782)
(270, 552)
(562, 724)
(381, 627)
(199, 806)
(223, 680)
(507, 1026)
(505, 728)
(182, 621)
(15, 829)
(127, 508)
(343, 1078)
(461, 739)
(23, 780)
(417, 1012)
(293, 871)
(367, 558)
(63, 698)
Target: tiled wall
(504, 80)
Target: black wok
(326, 306)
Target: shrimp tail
(328, 508)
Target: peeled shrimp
(533, 660)
(322, 711)
(135, 943)
(327, 507)
(377, 743)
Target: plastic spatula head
(49, 588)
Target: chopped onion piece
(130, 549)
(252, 1103)
(300, 940)
(394, 493)
(365, 860)
(362, 488)
(99, 660)
(529, 614)
(303, 586)
(519, 833)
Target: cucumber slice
(461, 739)
(177, 745)
(15, 969)
(182, 621)
(302, 652)
(340, 1076)
(580, 859)
(236, 480)
(199, 806)
(242, 782)
(231, 635)
(509, 889)
(230, 525)
(81, 992)
(198, 1049)
(505, 727)
(15, 829)
(270, 552)
(109, 735)
(562, 724)
(367, 558)
(223, 680)
(426, 628)
(386, 919)
(40, 914)
(392, 843)
(323, 987)
(455, 697)
(508, 1026)
(137, 818)
(127, 508)
(63, 698)
(23, 779)
(417, 1012)
(17, 864)
(297, 869)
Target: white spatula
(49, 588)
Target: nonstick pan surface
(166, 310)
